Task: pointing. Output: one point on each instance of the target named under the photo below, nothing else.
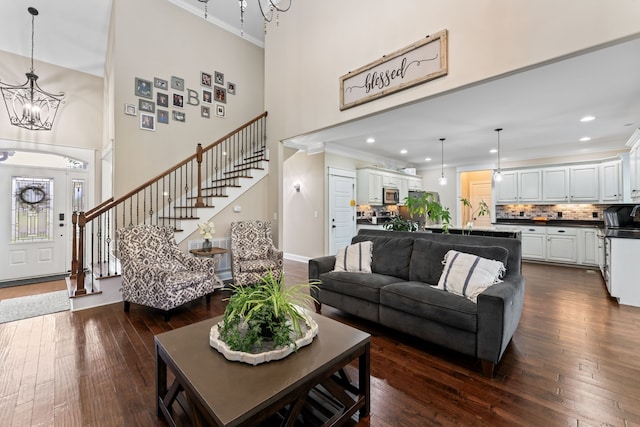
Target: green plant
(430, 209)
(399, 224)
(482, 210)
(265, 316)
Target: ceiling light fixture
(497, 175)
(585, 139)
(443, 179)
(370, 140)
(403, 151)
(28, 105)
(587, 118)
(205, 7)
(427, 159)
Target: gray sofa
(397, 294)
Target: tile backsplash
(582, 212)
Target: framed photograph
(205, 111)
(162, 99)
(163, 116)
(144, 88)
(231, 88)
(178, 100)
(160, 83)
(147, 121)
(130, 109)
(220, 110)
(207, 96)
(220, 94)
(178, 116)
(177, 83)
(219, 78)
(205, 79)
(148, 106)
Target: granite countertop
(551, 222)
(623, 233)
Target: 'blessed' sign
(422, 61)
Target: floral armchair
(253, 253)
(156, 273)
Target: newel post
(80, 290)
(199, 201)
(74, 243)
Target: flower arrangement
(207, 230)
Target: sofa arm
(499, 311)
(276, 254)
(320, 265)
(201, 264)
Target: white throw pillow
(355, 258)
(469, 275)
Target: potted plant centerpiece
(265, 322)
(430, 209)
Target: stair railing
(166, 200)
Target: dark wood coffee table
(309, 384)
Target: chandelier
(267, 8)
(28, 105)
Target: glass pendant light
(443, 179)
(497, 176)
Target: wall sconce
(296, 187)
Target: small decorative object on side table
(206, 245)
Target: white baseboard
(294, 257)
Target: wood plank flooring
(573, 361)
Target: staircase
(193, 191)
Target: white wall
(317, 42)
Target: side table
(215, 253)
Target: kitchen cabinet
(523, 186)
(562, 245)
(611, 181)
(403, 189)
(390, 180)
(533, 243)
(415, 184)
(634, 165)
(555, 184)
(589, 244)
(369, 187)
(621, 280)
(584, 184)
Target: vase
(206, 246)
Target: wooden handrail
(97, 212)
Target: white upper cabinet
(390, 180)
(611, 181)
(555, 185)
(584, 183)
(530, 186)
(634, 171)
(507, 189)
(371, 181)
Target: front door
(342, 210)
(35, 222)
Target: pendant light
(443, 179)
(497, 176)
(28, 105)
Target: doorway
(39, 193)
(342, 208)
(476, 187)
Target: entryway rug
(33, 305)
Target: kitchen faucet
(634, 211)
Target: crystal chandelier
(28, 105)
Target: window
(32, 209)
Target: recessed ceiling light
(370, 140)
(587, 118)
(427, 159)
(403, 151)
(585, 139)
(493, 150)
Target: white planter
(267, 356)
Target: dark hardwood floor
(574, 361)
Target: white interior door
(478, 192)
(35, 215)
(342, 209)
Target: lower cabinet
(573, 245)
(534, 243)
(562, 244)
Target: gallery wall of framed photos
(163, 101)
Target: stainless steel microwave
(390, 196)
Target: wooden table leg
(161, 380)
(364, 380)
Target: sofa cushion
(365, 286)
(426, 259)
(422, 300)
(355, 258)
(469, 275)
(391, 255)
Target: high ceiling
(539, 109)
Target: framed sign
(415, 64)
